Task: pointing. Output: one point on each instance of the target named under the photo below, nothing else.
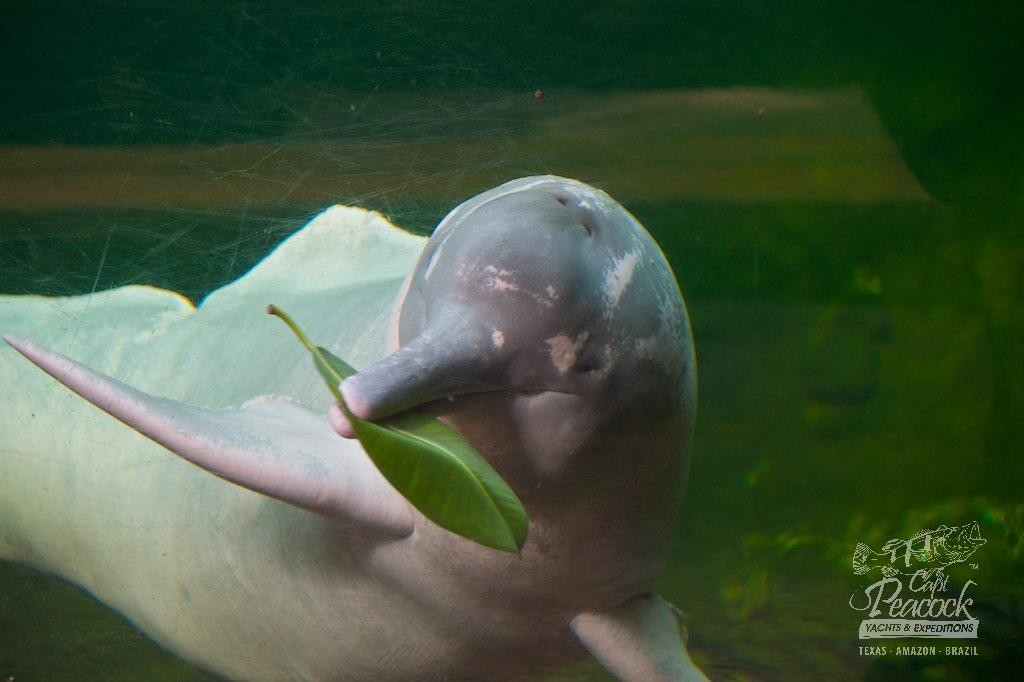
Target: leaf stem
(287, 319)
(330, 374)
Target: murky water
(838, 192)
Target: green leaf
(430, 464)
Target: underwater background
(839, 188)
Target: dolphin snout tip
(355, 400)
(340, 422)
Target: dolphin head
(541, 312)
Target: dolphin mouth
(497, 391)
(453, 396)
(367, 411)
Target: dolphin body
(540, 320)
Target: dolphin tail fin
(270, 445)
(641, 640)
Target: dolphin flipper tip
(642, 639)
(14, 341)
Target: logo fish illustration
(929, 550)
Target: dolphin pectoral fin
(270, 445)
(639, 640)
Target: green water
(839, 189)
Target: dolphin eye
(592, 362)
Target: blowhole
(562, 200)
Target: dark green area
(121, 72)
(945, 76)
(861, 364)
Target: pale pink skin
(339, 422)
(359, 407)
(572, 373)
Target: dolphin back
(76, 485)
